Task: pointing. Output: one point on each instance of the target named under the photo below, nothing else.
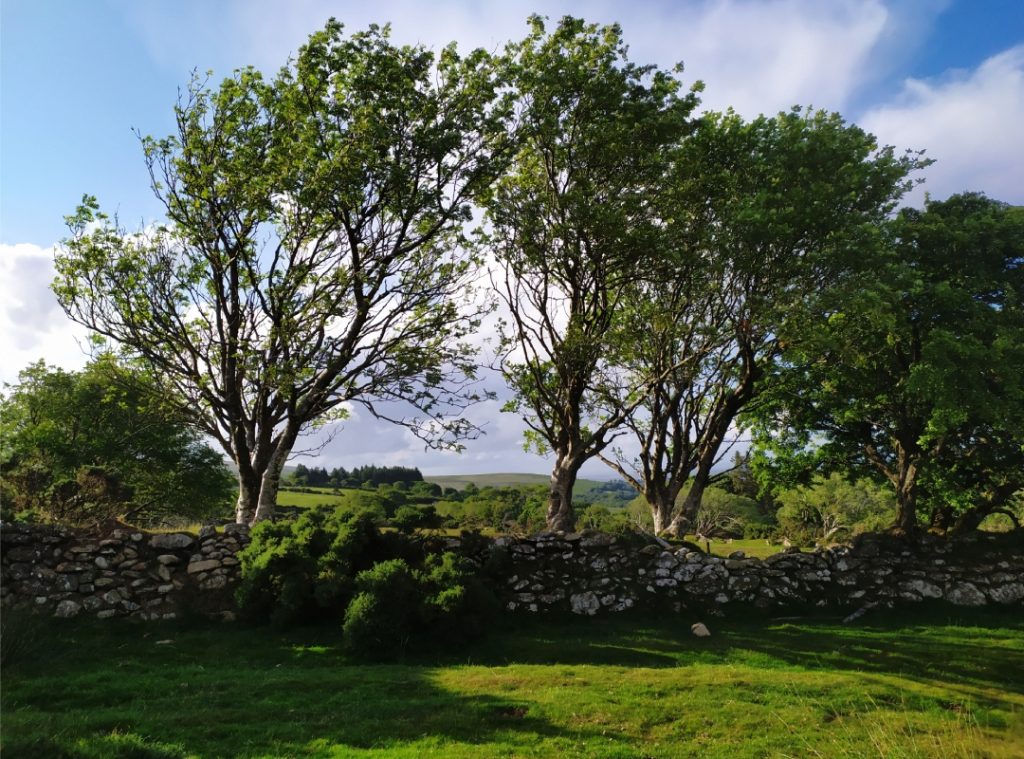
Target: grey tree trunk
(248, 497)
(687, 516)
(662, 515)
(560, 515)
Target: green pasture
(941, 686)
(329, 496)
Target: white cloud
(32, 324)
(755, 55)
(969, 122)
(763, 57)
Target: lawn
(927, 687)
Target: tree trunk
(270, 481)
(906, 514)
(906, 496)
(560, 515)
(661, 512)
(687, 516)
(661, 498)
(248, 497)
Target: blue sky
(77, 77)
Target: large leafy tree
(833, 507)
(760, 216)
(86, 446)
(311, 255)
(571, 224)
(916, 373)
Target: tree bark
(906, 495)
(560, 515)
(270, 483)
(661, 512)
(906, 514)
(687, 515)
(248, 496)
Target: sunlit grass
(592, 688)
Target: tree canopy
(571, 224)
(667, 279)
(86, 446)
(915, 372)
(758, 217)
(311, 255)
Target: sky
(79, 80)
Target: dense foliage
(442, 602)
(914, 374)
(759, 217)
(86, 446)
(333, 564)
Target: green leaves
(313, 248)
(920, 379)
(104, 442)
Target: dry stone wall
(127, 572)
(121, 571)
(595, 573)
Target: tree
(916, 375)
(570, 225)
(311, 255)
(832, 506)
(759, 216)
(90, 445)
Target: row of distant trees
(674, 277)
(339, 477)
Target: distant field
(305, 500)
(507, 480)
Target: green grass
(305, 500)
(752, 548)
(927, 687)
(505, 480)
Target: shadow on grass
(236, 691)
(972, 647)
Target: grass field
(305, 500)
(935, 687)
(757, 548)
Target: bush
(385, 613)
(329, 561)
(303, 569)
(443, 603)
(757, 531)
(408, 519)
